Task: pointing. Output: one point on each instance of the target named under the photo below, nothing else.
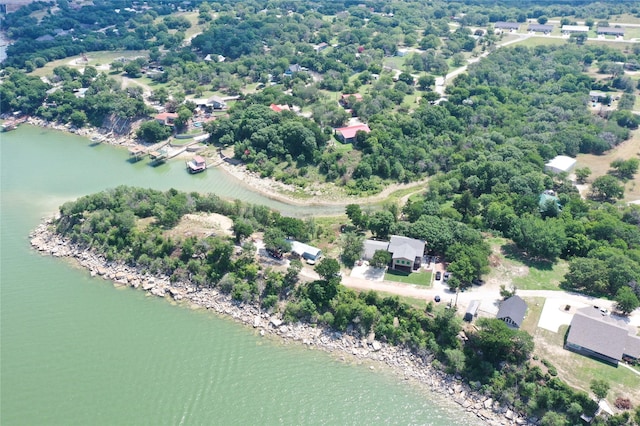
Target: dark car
(438, 276)
(437, 299)
(477, 281)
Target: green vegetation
(418, 278)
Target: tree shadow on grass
(512, 252)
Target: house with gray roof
(512, 311)
(618, 32)
(597, 335)
(540, 28)
(406, 253)
(511, 26)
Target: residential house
(618, 32)
(348, 134)
(345, 99)
(305, 251)
(214, 102)
(595, 96)
(279, 108)
(539, 28)
(595, 334)
(295, 68)
(548, 196)
(512, 311)
(510, 26)
(560, 164)
(166, 118)
(406, 253)
(372, 246)
(320, 47)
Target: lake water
(76, 350)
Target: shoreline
(267, 187)
(403, 363)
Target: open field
(510, 267)
(103, 57)
(541, 41)
(578, 370)
(599, 164)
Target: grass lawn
(95, 59)
(578, 370)
(395, 62)
(511, 266)
(534, 310)
(417, 278)
(541, 41)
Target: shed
(595, 96)
(560, 164)
(472, 310)
(512, 311)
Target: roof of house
(278, 108)
(371, 246)
(165, 115)
(540, 27)
(350, 131)
(215, 99)
(610, 30)
(295, 68)
(597, 332)
(506, 25)
(575, 28)
(357, 96)
(406, 248)
(302, 248)
(513, 308)
(561, 162)
(595, 93)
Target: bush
(623, 403)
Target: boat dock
(137, 153)
(158, 157)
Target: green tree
(380, 259)
(352, 246)
(606, 188)
(541, 238)
(600, 388)
(116, 66)
(153, 131)
(356, 216)
(500, 343)
(626, 300)
(78, 118)
(241, 229)
(276, 240)
(553, 418)
(582, 174)
(380, 223)
(328, 268)
(625, 169)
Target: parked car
(477, 281)
(447, 275)
(438, 275)
(437, 299)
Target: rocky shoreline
(404, 363)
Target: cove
(75, 350)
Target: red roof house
(166, 118)
(348, 134)
(279, 108)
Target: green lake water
(76, 350)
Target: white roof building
(575, 29)
(560, 163)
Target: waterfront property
(512, 311)
(137, 152)
(595, 334)
(197, 165)
(159, 157)
(166, 118)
